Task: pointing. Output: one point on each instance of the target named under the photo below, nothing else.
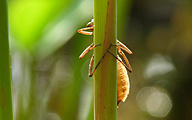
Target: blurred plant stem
(6, 112)
(105, 83)
(91, 111)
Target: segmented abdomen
(123, 85)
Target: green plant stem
(6, 112)
(105, 78)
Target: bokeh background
(51, 83)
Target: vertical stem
(105, 78)
(6, 112)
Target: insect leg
(82, 31)
(128, 66)
(122, 46)
(91, 64)
(119, 60)
(89, 48)
(123, 55)
(125, 58)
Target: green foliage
(39, 29)
(44, 26)
(6, 112)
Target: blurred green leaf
(43, 26)
(6, 111)
(28, 19)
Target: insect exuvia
(123, 85)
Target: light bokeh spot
(158, 65)
(154, 101)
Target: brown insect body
(123, 85)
